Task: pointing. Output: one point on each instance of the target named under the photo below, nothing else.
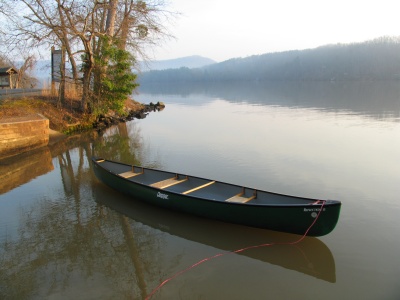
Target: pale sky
(224, 29)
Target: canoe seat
(131, 173)
(239, 198)
(168, 182)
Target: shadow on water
(311, 256)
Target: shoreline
(23, 135)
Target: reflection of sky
(379, 100)
(287, 150)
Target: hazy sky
(224, 29)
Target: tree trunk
(100, 73)
(61, 89)
(87, 76)
(125, 25)
(86, 89)
(63, 36)
(111, 15)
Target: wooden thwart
(240, 199)
(168, 182)
(198, 188)
(130, 174)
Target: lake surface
(65, 235)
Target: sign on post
(56, 64)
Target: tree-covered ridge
(378, 59)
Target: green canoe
(219, 200)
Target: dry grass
(64, 118)
(60, 117)
(71, 91)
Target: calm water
(65, 235)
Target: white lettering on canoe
(162, 196)
(313, 209)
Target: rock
(103, 122)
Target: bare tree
(23, 79)
(81, 27)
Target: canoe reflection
(311, 256)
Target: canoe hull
(286, 218)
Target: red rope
(236, 251)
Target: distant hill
(378, 59)
(194, 61)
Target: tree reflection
(54, 249)
(66, 242)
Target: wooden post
(53, 83)
(61, 90)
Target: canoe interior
(200, 187)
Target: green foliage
(113, 79)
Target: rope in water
(237, 251)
